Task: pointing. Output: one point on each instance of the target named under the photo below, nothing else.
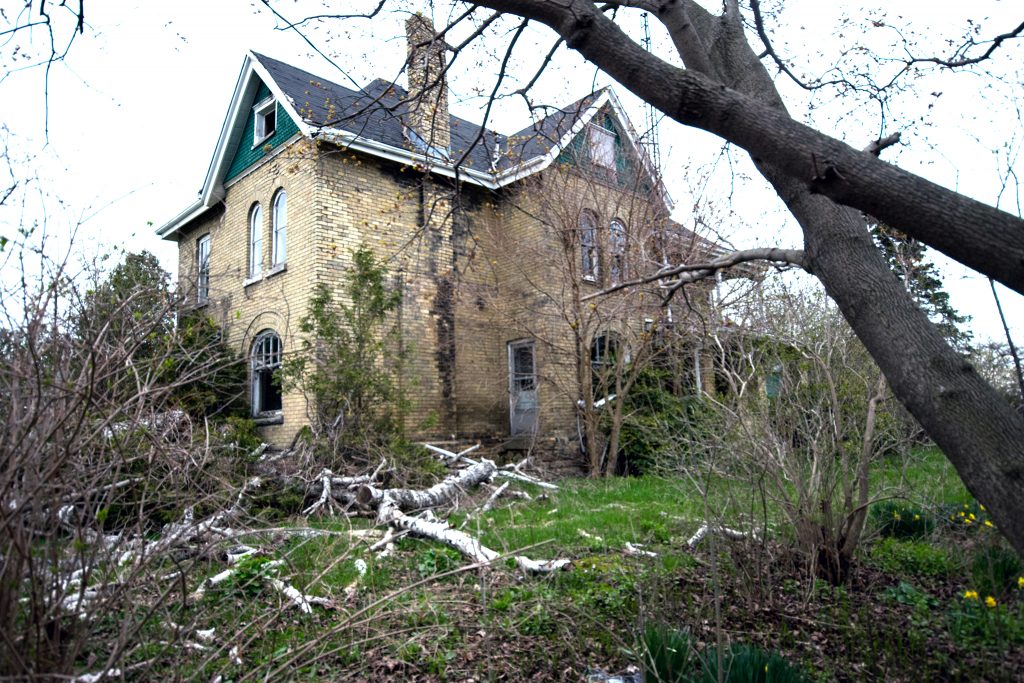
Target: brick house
(306, 170)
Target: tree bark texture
(826, 184)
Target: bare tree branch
(700, 271)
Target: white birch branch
(470, 547)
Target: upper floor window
(266, 120)
(602, 146)
(266, 360)
(617, 251)
(278, 251)
(203, 269)
(255, 241)
(589, 264)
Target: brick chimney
(428, 87)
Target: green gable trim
(247, 155)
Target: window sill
(259, 143)
(203, 303)
(268, 419)
(279, 268)
(252, 280)
(590, 280)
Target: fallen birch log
(470, 547)
(509, 471)
(438, 494)
(731, 534)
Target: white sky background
(135, 111)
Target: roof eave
(193, 211)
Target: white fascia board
(193, 211)
(541, 162)
(233, 120)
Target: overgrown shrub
(657, 425)
(350, 360)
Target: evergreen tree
(908, 258)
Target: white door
(522, 388)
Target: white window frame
(260, 114)
(203, 269)
(279, 230)
(255, 241)
(602, 147)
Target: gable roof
(372, 120)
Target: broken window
(266, 360)
(266, 120)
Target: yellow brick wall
(477, 270)
(276, 300)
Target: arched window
(589, 258)
(255, 241)
(266, 360)
(617, 251)
(278, 251)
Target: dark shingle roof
(376, 112)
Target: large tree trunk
(733, 96)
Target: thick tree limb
(975, 234)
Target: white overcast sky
(135, 110)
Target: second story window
(203, 269)
(278, 251)
(265, 114)
(589, 267)
(617, 252)
(255, 241)
(602, 147)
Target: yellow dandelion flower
(917, 518)
(1020, 582)
(981, 507)
(972, 516)
(990, 601)
(967, 521)
(970, 595)
(988, 523)
(896, 515)
(965, 506)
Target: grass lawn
(914, 609)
